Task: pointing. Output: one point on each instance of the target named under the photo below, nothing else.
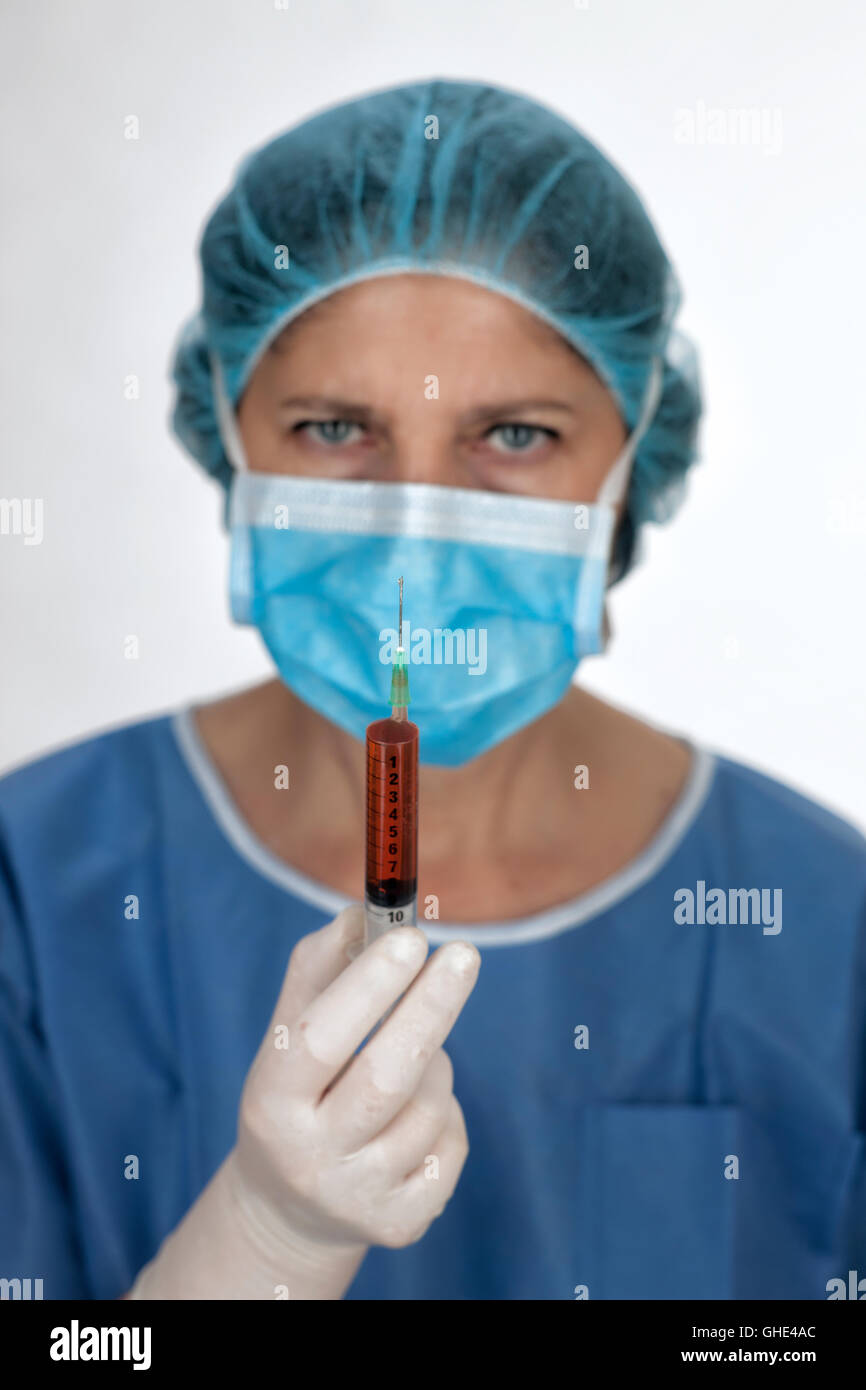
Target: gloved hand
(356, 1149)
(334, 1152)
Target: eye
(518, 438)
(330, 432)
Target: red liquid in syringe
(392, 822)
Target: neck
(513, 792)
(513, 823)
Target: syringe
(390, 897)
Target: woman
(436, 341)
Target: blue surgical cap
(456, 178)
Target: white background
(744, 629)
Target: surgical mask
(504, 594)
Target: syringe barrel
(391, 885)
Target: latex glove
(334, 1152)
(341, 1148)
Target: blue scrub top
(708, 1142)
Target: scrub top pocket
(662, 1216)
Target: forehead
(419, 303)
(376, 339)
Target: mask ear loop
(226, 418)
(241, 562)
(615, 483)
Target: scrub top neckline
(550, 921)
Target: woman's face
(426, 379)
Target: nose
(425, 449)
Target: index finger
(327, 1033)
(316, 960)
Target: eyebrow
(325, 404)
(500, 408)
(495, 411)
